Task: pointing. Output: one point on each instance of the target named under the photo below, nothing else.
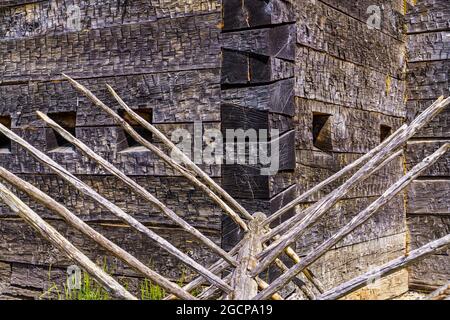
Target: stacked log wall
(353, 75)
(159, 55)
(343, 69)
(428, 29)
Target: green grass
(150, 291)
(91, 290)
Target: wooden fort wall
(428, 28)
(278, 64)
(341, 69)
(163, 55)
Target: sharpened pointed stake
(188, 162)
(157, 151)
(136, 188)
(358, 220)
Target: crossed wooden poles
(261, 246)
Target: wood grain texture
(83, 55)
(253, 13)
(429, 197)
(184, 96)
(428, 15)
(428, 80)
(391, 13)
(430, 46)
(21, 245)
(331, 80)
(326, 29)
(26, 20)
(417, 150)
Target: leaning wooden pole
(185, 173)
(440, 293)
(291, 205)
(387, 269)
(56, 239)
(137, 188)
(87, 230)
(188, 162)
(244, 286)
(326, 203)
(358, 220)
(132, 222)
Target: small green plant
(89, 290)
(150, 291)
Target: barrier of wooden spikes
(261, 246)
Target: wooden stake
(188, 162)
(137, 188)
(244, 286)
(362, 217)
(98, 238)
(86, 190)
(291, 205)
(441, 293)
(387, 269)
(56, 239)
(329, 201)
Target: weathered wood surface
(428, 15)
(437, 128)
(314, 167)
(57, 240)
(84, 55)
(441, 293)
(244, 68)
(88, 231)
(326, 29)
(430, 46)
(131, 221)
(275, 41)
(253, 13)
(347, 135)
(185, 159)
(389, 220)
(356, 221)
(429, 197)
(277, 97)
(21, 245)
(346, 84)
(389, 287)
(425, 228)
(187, 202)
(417, 150)
(106, 141)
(338, 265)
(341, 173)
(244, 286)
(183, 96)
(391, 13)
(428, 80)
(298, 225)
(435, 270)
(142, 191)
(55, 17)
